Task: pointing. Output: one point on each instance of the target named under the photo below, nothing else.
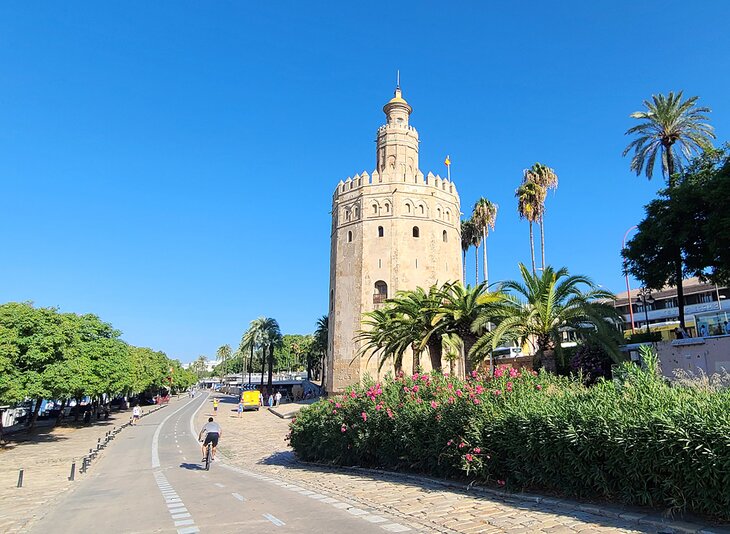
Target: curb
(631, 516)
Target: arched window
(421, 209)
(349, 237)
(448, 215)
(387, 208)
(381, 292)
(438, 213)
(375, 209)
(446, 237)
(347, 215)
(408, 207)
(380, 231)
(416, 232)
(357, 212)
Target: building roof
(691, 286)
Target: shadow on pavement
(192, 467)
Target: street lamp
(644, 298)
(626, 273)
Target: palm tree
(272, 338)
(201, 365)
(253, 340)
(483, 217)
(460, 308)
(530, 198)
(383, 335)
(546, 178)
(665, 122)
(542, 307)
(223, 353)
(467, 240)
(321, 342)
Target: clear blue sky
(169, 165)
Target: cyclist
(212, 431)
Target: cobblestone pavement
(256, 442)
(45, 456)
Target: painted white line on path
(219, 485)
(277, 522)
(238, 496)
(156, 437)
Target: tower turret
(397, 143)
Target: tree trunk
(263, 368)
(486, 271)
(476, 257)
(542, 242)
(434, 353)
(269, 382)
(547, 357)
(468, 340)
(60, 413)
(678, 255)
(463, 265)
(34, 415)
(416, 360)
(532, 250)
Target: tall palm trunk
(542, 243)
(486, 269)
(476, 258)
(468, 339)
(263, 366)
(463, 265)
(270, 382)
(532, 250)
(416, 360)
(678, 254)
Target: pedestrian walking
(271, 401)
(136, 414)
(261, 399)
(240, 408)
(215, 406)
(277, 398)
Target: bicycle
(208, 456)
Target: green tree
(530, 201)
(483, 217)
(319, 346)
(224, 354)
(547, 179)
(467, 241)
(385, 335)
(669, 122)
(540, 308)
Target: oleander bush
(636, 440)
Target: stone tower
(393, 230)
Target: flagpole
(448, 167)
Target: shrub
(592, 362)
(636, 440)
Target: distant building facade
(705, 305)
(395, 229)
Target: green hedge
(636, 441)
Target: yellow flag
(447, 162)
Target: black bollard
(20, 478)
(73, 472)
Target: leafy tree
(541, 307)
(223, 353)
(387, 336)
(319, 345)
(530, 201)
(546, 178)
(666, 122)
(483, 217)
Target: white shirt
(136, 410)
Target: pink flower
(473, 374)
(343, 428)
(452, 400)
(497, 392)
(462, 445)
(415, 388)
(459, 393)
(364, 416)
(509, 386)
(390, 413)
(378, 407)
(406, 389)
(338, 405)
(450, 385)
(539, 387)
(434, 404)
(438, 417)
(477, 401)
(498, 372)
(469, 457)
(334, 411)
(501, 482)
(419, 400)
(513, 372)
(450, 442)
(477, 450)
(353, 394)
(479, 390)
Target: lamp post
(644, 298)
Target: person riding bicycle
(212, 431)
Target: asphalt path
(151, 479)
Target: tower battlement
(360, 182)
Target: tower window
(416, 232)
(357, 212)
(381, 292)
(422, 209)
(375, 209)
(387, 208)
(438, 213)
(380, 231)
(349, 237)
(408, 208)
(446, 237)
